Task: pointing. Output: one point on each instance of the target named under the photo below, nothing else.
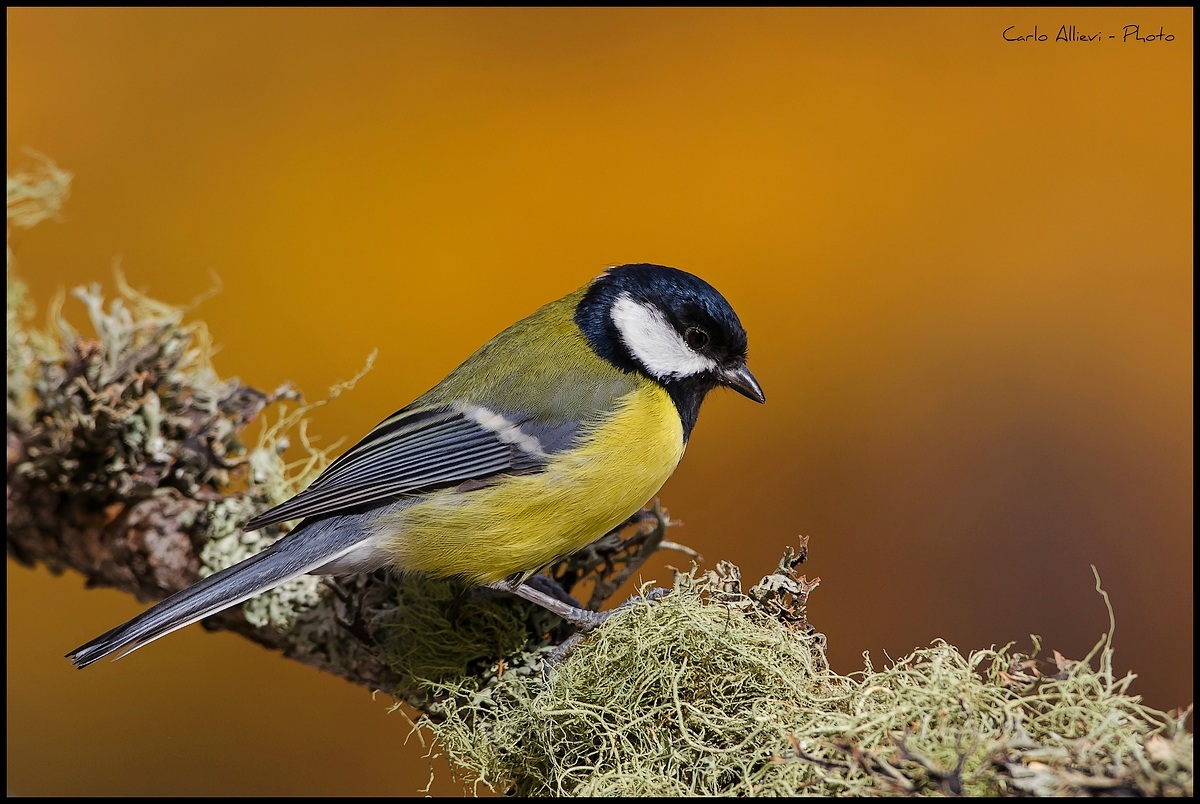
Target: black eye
(696, 338)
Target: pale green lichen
(704, 694)
(19, 351)
(228, 543)
(135, 408)
(35, 194)
(272, 481)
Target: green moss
(706, 693)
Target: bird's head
(670, 326)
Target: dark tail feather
(292, 556)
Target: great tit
(553, 433)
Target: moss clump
(710, 692)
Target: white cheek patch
(655, 344)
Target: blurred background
(965, 265)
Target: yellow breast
(523, 523)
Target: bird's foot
(554, 599)
(585, 621)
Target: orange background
(965, 266)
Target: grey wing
(417, 451)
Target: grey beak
(741, 380)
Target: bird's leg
(583, 619)
(544, 583)
(579, 617)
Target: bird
(550, 435)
